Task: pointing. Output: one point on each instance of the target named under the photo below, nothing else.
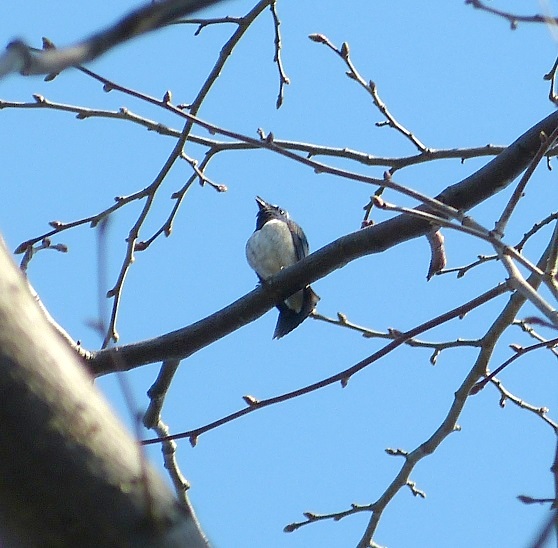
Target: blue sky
(456, 77)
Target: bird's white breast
(270, 249)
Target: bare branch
(312, 517)
(371, 88)
(93, 220)
(490, 179)
(449, 423)
(546, 143)
(168, 448)
(518, 352)
(343, 376)
(343, 321)
(311, 149)
(283, 78)
(21, 58)
(518, 282)
(536, 227)
(158, 391)
(200, 174)
(537, 410)
(512, 18)
(202, 23)
(462, 270)
(132, 240)
(468, 226)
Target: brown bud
(320, 38)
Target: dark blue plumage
(278, 242)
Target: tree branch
(71, 473)
(19, 57)
(476, 188)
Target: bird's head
(268, 211)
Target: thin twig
(93, 220)
(178, 196)
(468, 226)
(203, 23)
(310, 149)
(449, 423)
(532, 231)
(312, 517)
(343, 321)
(546, 143)
(462, 270)
(200, 174)
(372, 89)
(513, 19)
(519, 352)
(283, 78)
(537, 410)
(528, 328)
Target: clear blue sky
(456, 77)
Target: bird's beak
(262, 204)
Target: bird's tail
(289, 319)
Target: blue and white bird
(278, 242)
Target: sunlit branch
(311, 149)
(372, 89)
(512, 18)
(449, 423)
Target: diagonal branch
(487, 181)
(19, 57)
(342, 377)
(372, 89)
(449, 424)
(512, 18)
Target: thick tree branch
(476, 188)
(71, 474)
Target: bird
(278, 242)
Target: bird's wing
(299, 240)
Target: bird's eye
(281, 211)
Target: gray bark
(70, 473)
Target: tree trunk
(70, 474)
